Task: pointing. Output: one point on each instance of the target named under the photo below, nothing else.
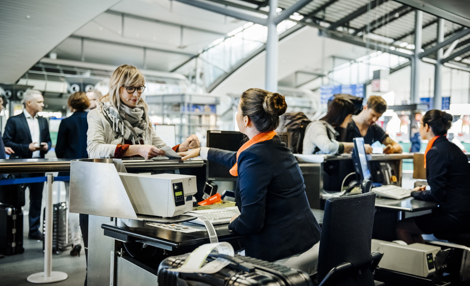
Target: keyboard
(215, 216)
(392, 192)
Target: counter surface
(61, 165)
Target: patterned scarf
(130, 123)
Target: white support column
(437, 100)
(416, 60)
(271, 49)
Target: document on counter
(170, 153)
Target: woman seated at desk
(274, 215)
(120, 125)
(447, 172)
(321, 136)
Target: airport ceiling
(163, 34)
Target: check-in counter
(120, 237)
(325, 173)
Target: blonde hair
(125, 75)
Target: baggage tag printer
(161, 195)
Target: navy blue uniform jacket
(18, 137)
(270, 193)
(447, 172)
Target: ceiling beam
(139, 17)
(413, 30)
(224, 11)
(321, 8)
(286, 13)
(362, 10)
(97, 40)
(445, 36)
(444, 43)
(358, 42)
(456, 54)
(381, 21)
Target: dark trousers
(35, 200)
(84, 229)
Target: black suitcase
(13, 195)
(60, 239)
(11, 230)
(241, 271)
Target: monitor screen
(226, 140)
(286, 137)
(360, 160)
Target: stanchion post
(48, 275)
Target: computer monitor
(226, 140)
(286, 137)
(361, 165)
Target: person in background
(363, 125)
(71, 144)
(321, 136)
(415, 140)
(120, 126)
(28, 135)
(3, 150)
(94, 96)
(275, 215)
(447, 171)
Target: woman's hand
(189, 154)
(190, 143)
(419, 189)
(368, 148)
(148, 151)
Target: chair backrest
(346, 237)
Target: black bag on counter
(11, 230)
(241, 271)
(59, 231)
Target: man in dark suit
(28, 135)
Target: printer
(162, 195)
(416, 259)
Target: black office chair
(345, 256)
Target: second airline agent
(274, 215)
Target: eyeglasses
(132, 89)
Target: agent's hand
(149, 151)
(33, 146)
(389, 149)
(9, 151)
(189, 154)
(419, 189)
(190, 143)
(44, 147)
(368, 148)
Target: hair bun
(447, 119)
(275, 104)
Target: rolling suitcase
(60, 239)
(11, 230)
(241, 271)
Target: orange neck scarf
(256, 139)
(430, 143)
